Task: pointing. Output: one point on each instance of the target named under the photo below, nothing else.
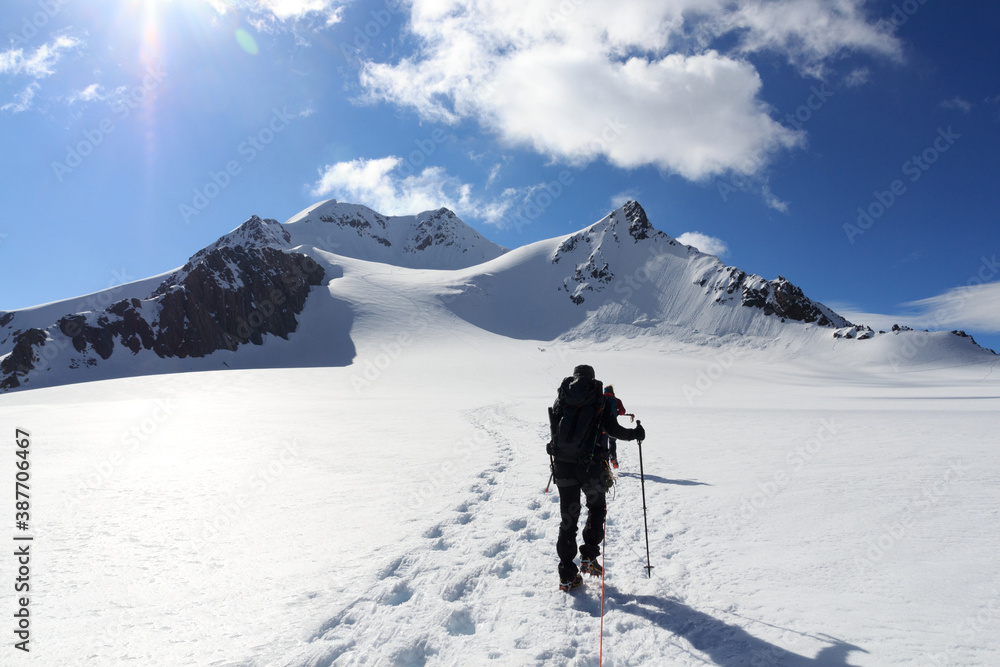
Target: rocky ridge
(231, 293)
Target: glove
(639, 433)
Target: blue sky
(849, 146)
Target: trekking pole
(552, 439)
(642, 480)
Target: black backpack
(574, 420)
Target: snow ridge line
(428, 604)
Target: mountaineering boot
(614, 463)
(570, 585)
(591, 567)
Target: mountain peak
(435, 239)
(639, 226)
(618, 279)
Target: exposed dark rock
(22, 359)
(639, 227)
(232, 293)
(231, 297)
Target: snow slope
(812, 500)
(394, 514)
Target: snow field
(293, 517)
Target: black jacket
(609, 421)
(580, 394)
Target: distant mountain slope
(232, 293)
(336, 278)
(621, 275)
(430, 240)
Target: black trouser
(573, 481)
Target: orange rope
(600, 659)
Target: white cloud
(976, 307)
(858, 77)
(392, 187)
(772, 200)
(285, 10)
(957, 103)
(493, 175)
(705, 243)
(23, 100)
(809, 33)
(41, 62)
(632, 82)
(281, 11)
(37, 64)
(618, 200)
(92, 93)
(973, 308)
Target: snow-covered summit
(338, 279)
(430, 240)
(622, 276)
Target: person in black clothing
(573, 478)
(611, 444)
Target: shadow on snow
(725, 644)
(663, 480)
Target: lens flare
(246, 41)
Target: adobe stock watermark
(816, 100)
(129, 441)
(372, 368)
(540, 199)
(708, 376)
(982, 622)
(543, 196)
(444, 474)
(901, 13)
(626, 287)
(424, 148)
(914, 168)
(32, 25)
(244, 497)
(896, 530)
(78, 152)
(363, 35)
(955, 302)
(247, 151)
(795, 460)
(611, 131)
(739, 181)
(565, 9)
(49, 348)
